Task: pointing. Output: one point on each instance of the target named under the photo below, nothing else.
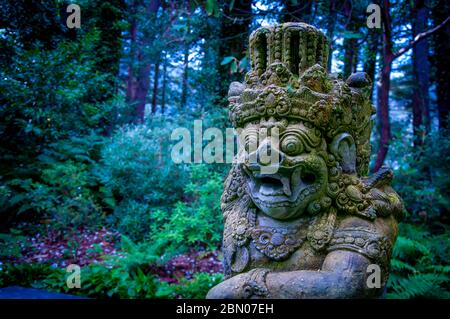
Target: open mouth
(273, 185)
(283, 186)
(287, 192)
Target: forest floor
(84, 247)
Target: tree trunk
(383, 112)
(155, 88)
(441, 62)
(164, 85)
(421, 70)
(184, 88)
(234, 34)
(349, 57)
(143, 83)
(370, 56)
(131, 85)
(383, 89)
(139, 89)
(349, 42)
(331, 24)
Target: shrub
(421, 174)
(24, 274)
(137, 165)
(196, 288)
(197, 222)
(11, 245)
(69, 188)
(133, 219)
(63, 187)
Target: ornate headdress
(289, 80)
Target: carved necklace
(276, 243)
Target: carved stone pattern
(255, 284)
(320, 233)
(363, 241)
(277, 244)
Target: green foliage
(137, 164)
(137, 254)
(116, 277)
(197, 222)
(196, 288)
(235, 64)
(11, 244)
(100, 281)
(57, 93)
(421, 179)
(62, 86)
(50, 114)
(124, 276)
(24, 274)
(147, 187)
(212, 7)
(137, 169)
(106, 17)
(29, 24)
(419, 268)
(133, 219)
(97, 281)
(69, 185)
(66, 190)
(69, 157)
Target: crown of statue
(289, 80)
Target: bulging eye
(291, 145)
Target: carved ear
(344, 149)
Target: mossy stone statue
(317, 226)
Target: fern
(439, 268)
(409, 248)
(420, 286)
(398, 265)
(419, 265)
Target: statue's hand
(384, 200)
(370, 197)
(385, 203)
(243, 286)
(231, 288)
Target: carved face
(284, 171)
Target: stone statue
(316, 226)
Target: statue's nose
(267, 155)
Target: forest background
(86, 116)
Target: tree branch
(420, 37)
